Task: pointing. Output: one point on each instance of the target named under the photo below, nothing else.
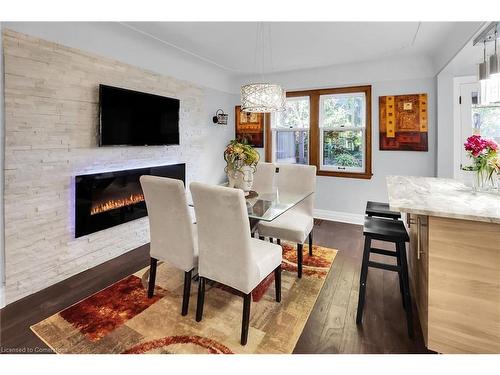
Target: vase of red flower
(483, 152)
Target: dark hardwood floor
(331, 328)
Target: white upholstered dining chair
(264, 178)
(227, 252)
(263, 182)
(173, 235)
(296, 224)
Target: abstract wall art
(403, 123)
(249, 126)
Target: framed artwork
(249, 126)
(403, 123)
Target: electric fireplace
(103, 200)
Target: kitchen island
(454, 261)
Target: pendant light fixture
(482, 71)
(262, 97)
(494, 67)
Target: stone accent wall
(51, 116)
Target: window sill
(364, 176)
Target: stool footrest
(383, 266)
(383, 252)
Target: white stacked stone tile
(51, 116)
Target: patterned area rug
(121, 319)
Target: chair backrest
(170, 224)
(298, 179)
(263, 178)
(223, 235)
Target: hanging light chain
(262, 97)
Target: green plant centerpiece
(241, 163)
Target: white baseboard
(343, 217)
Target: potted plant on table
(241, 160)
(484, 154)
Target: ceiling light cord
(259, 51)
(271, 66)
(263, 97)
(255, 57)
(263, 45)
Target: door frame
(457, 123)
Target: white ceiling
(298, 45)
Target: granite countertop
(442, 197)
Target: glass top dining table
(268, 206)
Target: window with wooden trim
(329, 128)
(290, 130)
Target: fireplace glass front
(104, 200)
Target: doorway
(476, 119)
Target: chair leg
(271, 240)
(277, 282)
(406, 285)
(278, 241)
(247, 298)
(152, 277)
(362, 279)
(311, 243)
(400, 276)
(201, 299)
(187, 291)
(299, 260)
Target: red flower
(476, 145)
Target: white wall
(463, 64)
(453, 42)
(446, 126)
(51, 100)
(368, 72)
(2, 158)
(220, 135)
(344, 199)
(350, 195)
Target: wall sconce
(220, 117)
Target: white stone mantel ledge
(441, 197)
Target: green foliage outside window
(343, 148)
(343, 111)
(487, 120)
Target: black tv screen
(136, 118)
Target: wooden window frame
(314, 135)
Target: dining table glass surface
(268, 206)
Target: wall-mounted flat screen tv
(132, 118)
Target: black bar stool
(379, 209)
(389, 231)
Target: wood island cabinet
(418, 260)
(455, 282)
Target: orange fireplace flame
(117, 203)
